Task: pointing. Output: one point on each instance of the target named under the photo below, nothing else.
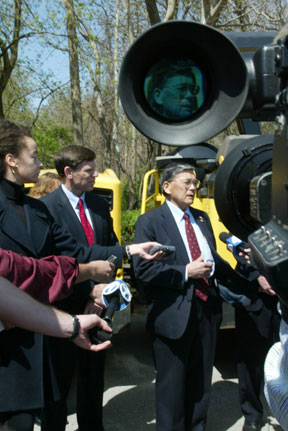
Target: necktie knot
(80, 204)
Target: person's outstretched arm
(51, 278)
(21, 310)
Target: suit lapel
(72, 223)
(201, 222)
(205, 228)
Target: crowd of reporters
(20, 164)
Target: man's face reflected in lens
(178, 97)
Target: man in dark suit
(76, 166)
(184, 309)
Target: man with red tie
(184, 309)
(86, 216)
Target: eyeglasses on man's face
(182, 90)
(188, 183)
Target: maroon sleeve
(47, 279)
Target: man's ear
(157, 96)
(10, 160)
(166, 187)
(68, 172)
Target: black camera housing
(244, 79)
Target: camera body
(181, 84)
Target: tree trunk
(77, 121)
(95, 75)
(172, 8)
(7, 63)
(116, 93)
(153, 13)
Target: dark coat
(21, 352)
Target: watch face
(175, 89)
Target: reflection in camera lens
(174, 88)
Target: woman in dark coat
(27, 228)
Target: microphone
(116, 296)
(233, 244)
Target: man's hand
(199, 269)
(96, 270)
(142, 250)
(83, 340)
(93, 308)
(246, 255)
(96, 294)
(264, 286)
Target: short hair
(46, 183)
(172, 170)
(161, 72)
(72, 156)
(12, 138)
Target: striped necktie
(202, 284)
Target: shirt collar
(73, 198)
(13, 191)
(176, 211)
(178, 214)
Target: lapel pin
(201, 219)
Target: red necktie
(201, 285)
(89, 232)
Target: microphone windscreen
(223, 236)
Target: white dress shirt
(178, 216)
(73, 199)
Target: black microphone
(233, 244)
(98, 335)
(116, 296)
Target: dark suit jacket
(169, 296)
(21, 352)
(64, 215)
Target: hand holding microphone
(240, 249)
(116, 296)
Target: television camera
(181, 84)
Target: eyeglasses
(188, 183)
(183, 88)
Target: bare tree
(116, 93)
(95, 75)
(9, 47)
(153, 12)
(77, 122)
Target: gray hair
(172, 170)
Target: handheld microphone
(233, 244)
(116, 296)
